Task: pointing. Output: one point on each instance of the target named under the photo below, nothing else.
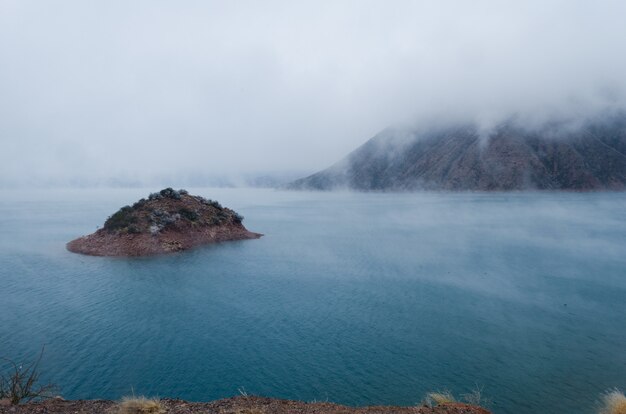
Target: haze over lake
(358, 298)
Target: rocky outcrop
(557, 156)
(165, 222)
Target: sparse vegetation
(169, 192)
(211, 203)
(188, 214)
(140, 203)
(140, 405)
(237, 217)
(122, 219)
(173, 212)
(132, 220)
(438, 398)
(613, 402)
(21, 382)
(475, 397)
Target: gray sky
(94, 90)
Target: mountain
(165, 222)
(555, 156)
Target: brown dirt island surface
(165, 222)
(236, 405)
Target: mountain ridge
(462, 157)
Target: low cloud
(106, 91)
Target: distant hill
(591, 156)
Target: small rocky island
(165, 222)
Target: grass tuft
(475, 397)
(613, 402)
(439, 398)
(140, 405)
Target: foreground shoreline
(234, 405)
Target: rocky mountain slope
(556, 156)
(167, 221)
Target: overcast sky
(138, 89)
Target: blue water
(353, 298)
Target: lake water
(353, 298)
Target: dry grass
(475, 397)
(140, 405)
(21, 382)
(614, 402)
(439, 398)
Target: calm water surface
(354, 298)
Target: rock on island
(165, 222)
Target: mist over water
(112, 93)
(355, 298)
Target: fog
(149, 92)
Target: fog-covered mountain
(555, 156)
